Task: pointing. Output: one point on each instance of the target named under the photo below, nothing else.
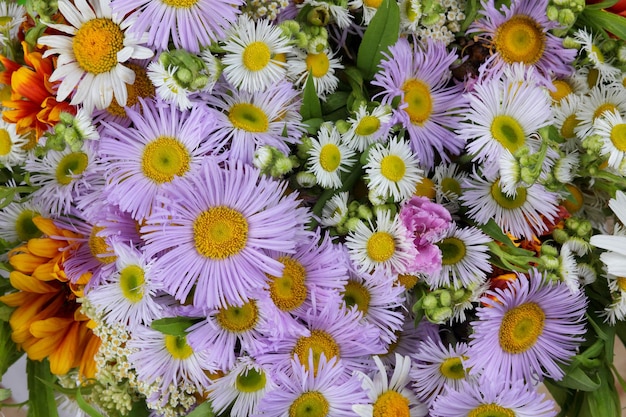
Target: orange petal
(49, 327)
(45, 272)
(16, 299)
(45, 247)
(42, 348)
(64, 357)
(26, 262)
(87, 364)
(27, 283)
(28, 84)
(46, 226)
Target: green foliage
(41, 402)
(381, 33)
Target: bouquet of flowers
(313, 208)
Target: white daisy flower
(251, 47)
(601, 100)
(386, 245)
(595, 55)
(243, 387)
(410, 15)
(167, 88)
(367, 127)
(611, 128)
(16, 221)
(566, 120)
(392, 170)
(568, 269)
(12, 17)
(565, 168)
(615, 257)
(447, 180)
(464, 258)
(616, 310)
(329, 157)
(12, 152)
(339, 13)
(335, 210)
(92, 53)
(390, 394)
(320, 65)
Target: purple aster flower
(525, 330)
(188, 24)
(493, 397)
(212, 229)
(522, 35)
(429, 108)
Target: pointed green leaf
(41, 402)
(603, 21)
(602, 5)
(85, 406)
(577, 379)
(174, 326)
(381, 33)
(203, 410)
(311, 107)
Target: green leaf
(313, 125)
(578, 379)
(9, 352)
(311, 107)
(41, 401)
(604, 402)
(5, 394)
(203, 410)
(85, 406)
(381, 33)
(174, 326)
(604, 21)
(471, 11)
(602, 5)
(5, 312)
(140, 409)
(494, 231)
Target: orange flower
(47, 322)
(33, 105)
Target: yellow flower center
(330, 157)
(381, 246)
(288, 291)
(251, 381)
(142, 87)
(450, 185)
(183, 4)
(508, 132)
(309, 404)
(520, 39)
(356, 294)
(368, 125)
(248, 117)
(618, 136)
(569, 124)
(598, 52)
(373, 3)
(220, 232)
(453, 250)
(521, 327)
(425, 188)
(506, 201)
(99, 247)
(70, 165)
(408, 281)
(491, 410)
(317, 64)
(131, 282)
(5, 142)
(621, 283)
(391, 404)
(318, 342)
(178, 347)
(393, 168)
(164, 158)
(562, 90)
(238, 319)
(25, 227)
(419, 101)
(604, 107)
(96, 44)
(452, 368)
(256, 56)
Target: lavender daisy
(428, 108)
(215, 226)
(525, 330)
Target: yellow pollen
(605, 107)
(99, 247)
(562, 90)
(356, 294)
(508, 132)
(164, 158)
(317, 64)
(504, 200)
(330, 157)
(288, 292)
(177, 347)
(521, 327)
(142, 87)
(71, 164)
(96, 44)
(569, 124)
(131, 281)
(391, 404)
(220, 232)
(453, 250)
(419, 101)
(248, 117)
(393, 168)
(621, 283)
(318, 342)
(5, 142)
(309, 404)
(256, 56)
(407, 281)
(238, 319)
(183, 4)
(373, 3)
(491, 410)
(452, 368)
(368, 125)
(520, 39)
(381, 246)
(425, 188)
(618, 136)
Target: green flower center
(419, 101)
(356, 294)
(309, 404)
(452, 368)
(506, 201)
(453, 250)
(25, 227)
(368, 125)
(251, 381)
(131, 282)
(178, 347)
(248, 117)
(164, 158)
(238, 319)
(508, 132)
(70, 165)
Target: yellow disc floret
(618, 136)
(289, 291)
(520, 39)
(238, 319)
(96, 44)
(309, 404)
(220, 232)
(391, 404)
(381, 246)
(318, 342)
(521, 327)
(164, 158)
(256, 56)
(248, 117)
(318, 64)
(419, 101)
